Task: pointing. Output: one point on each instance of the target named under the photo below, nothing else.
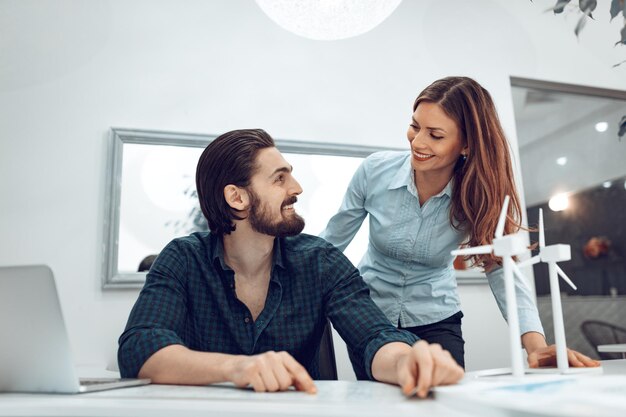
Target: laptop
(34, 346)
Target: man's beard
(261, 221)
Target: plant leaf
(560, 6)
(623, 33)
(587, 5)
(616, 7)
(622, 127)
(581, 24)
(619, 63)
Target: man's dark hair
(229, 159)
(146, 263)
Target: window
(152, 198)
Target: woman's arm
(344, 225)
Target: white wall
(69, 70)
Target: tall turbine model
(551, 255)
(506, 247)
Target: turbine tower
(551, 255)
(506, 247)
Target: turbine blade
(502, 219)
(542, 236)
(565, 277)
(476, 250)
(517, 272)
(534, 260)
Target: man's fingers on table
(267, 364)
(448, 370)
(257, 383)
(301, 378)
(444, 369)
(423, 356)
(407, 376)
(280, 374)
(283, 377)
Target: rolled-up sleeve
(360, 323)
(529, 320)
(158, 317)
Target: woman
(446, 192)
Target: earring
(464, 157)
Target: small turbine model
(506, 247)
(551, 255)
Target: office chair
(328, 366)
(602, 333)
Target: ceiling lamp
(559, 202)
(328, 19)
(602, 126)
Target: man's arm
(269, 371)
(415, 368)
(388, 354)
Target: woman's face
(435, 139)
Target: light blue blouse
(408, 265)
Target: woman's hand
(546, 356)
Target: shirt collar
(404, 178)
(447, 190)
(404, 175)
(217, 252)
(278, 252)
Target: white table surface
(599, 392)
(341, 399)
(334, 398)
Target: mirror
(152, 198)
(574, 168)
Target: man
(248, 302)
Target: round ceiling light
(602, 126)
(328, 19)
(559, 202)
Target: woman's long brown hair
(483, 180)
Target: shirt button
(247, 319)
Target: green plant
(195, 221)
(586, 7)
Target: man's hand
(425, 366)
(546, 356)
(271, 371)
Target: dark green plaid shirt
(189, 299)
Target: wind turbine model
(551, 255)
(506, 247)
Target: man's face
(273, 192)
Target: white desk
(334, 398)
(587, 394)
